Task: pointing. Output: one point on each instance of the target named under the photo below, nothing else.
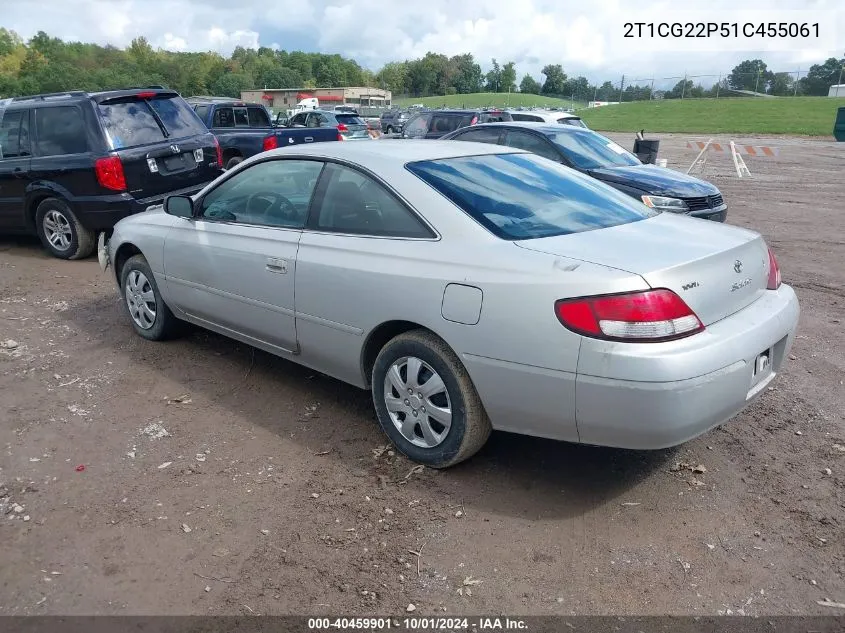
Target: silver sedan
(471, 287)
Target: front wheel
(426, 402)
(150, 316)
(389, 130)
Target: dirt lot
(218, 479)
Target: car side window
(443, 123)
(258, 118)
(60, 130)
(313, 120)
(274, 193)
(532, 143)
(481, 135)
(418, 126)
(14, 134)
(202, 112)
(223, 117)
(352, 202)
(299, 119)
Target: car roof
(549, 116)
(545, 128)
(392, 151)
(76, 95)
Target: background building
(285, 99)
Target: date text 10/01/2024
(418, 624)
(721, 29)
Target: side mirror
(179, 206)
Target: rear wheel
(147, 311)
(61, 232)
(426, 402)
(234, 162)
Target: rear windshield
(131, 121)
(572, 120)
(523, 196)
(349, 119)
(494, 117)
(589, 150)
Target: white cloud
(586, 37)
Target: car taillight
(219, 153)
(774, 272)
(146, 95)
(270, 142)
(474, 120)
(342, 128)
(645, 316)
(340, 137)
(109, 171)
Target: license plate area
(172, 164)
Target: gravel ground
(204, 477)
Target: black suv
(74, 163)
(437, 123)
(394, 120)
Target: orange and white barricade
(736, 150)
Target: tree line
(48, 64)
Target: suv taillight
(270, 142)
(109, 171)
(219, 153)
(774, 273)
(643, 317)
(342, 128)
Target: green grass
(806, 116)
(489, 99)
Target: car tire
(389, 129)
(138, 283)
(61, 232)
(234, 162)
(469, 426)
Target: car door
(360, 253)
(14, 167)
(232, 267)
(532, 142)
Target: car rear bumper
(100, 213)
(624, 397)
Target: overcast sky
(585, 36)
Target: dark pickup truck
(244, 129)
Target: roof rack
(52, 95)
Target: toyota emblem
(738, 266)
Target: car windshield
(349, 119)
(588, 150)
(523, 196)
(131, 121)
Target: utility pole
(797, 77)
(621, 85)
(595, 91)
(839, 83)
(684, 86)
(651, 94)
(757, 80)
(718, 85)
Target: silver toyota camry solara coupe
(471, 287)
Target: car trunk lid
(162, 144)
(352, 126)
(716, 269)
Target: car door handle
(276, 265)
(309, 139)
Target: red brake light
(774, 272)
(109, 171)
(270, 142)
(146, 95)
(646, 316)
(219, 153)
(342, 128)
(474, 120)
